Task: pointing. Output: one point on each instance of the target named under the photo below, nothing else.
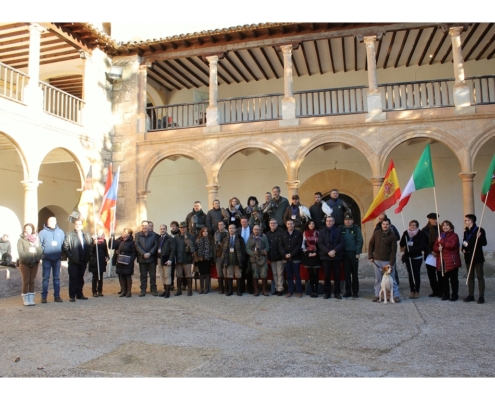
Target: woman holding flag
(414, 243)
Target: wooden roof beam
(164, 79)
(67, 38)
(258, 64)
(161, 68)
(406, 35)
(427, 46)
(246, 66)
(269, 62)
(278, 56)
(223, 67)
(343, 54)
(490, 42)
(355, 54)
(295, 65)
(331, 55)
(305, 59)
(318, 56)
(438, 48)
(185, 67)
(207, 72)
(227, 57)
(389, 49)
(157, 81)
(482, 36)
(169, 64)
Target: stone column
(212, 193)
(33, 95)
(467, 192)
(212, 112)
(293, 187)
(462, 97)
(377, 183)
(288, 102)
(142, 211)
(142, 116)
(374, 95)
(31, 201)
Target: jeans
(293, 271)
(379, 275)
(332, 265)
(50, 266)
(351, 264)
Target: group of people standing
(242, 242)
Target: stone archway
(347, 182)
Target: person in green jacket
(353, 245)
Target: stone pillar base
(374, 100)
(289, 122)
(212, 116)
(377, 116)
(212, 129)
(462, 97)
(464, 110)
(288, 108)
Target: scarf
(412, 233)
(32, 238)
(311, 239)
(101, 239)
(204, 247)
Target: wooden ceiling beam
(258, 64)
(164, 79)
(13, 58)
(157, 81)
(379, 47)
(318, 57)
(406, 35)
(246, 66)
(224, 68)
(343, 54)
(389, 49)
(67, 38)
(331, 55)
(470, 35)
(440, 44)
(14, 26)
(21, 33)
(152, 49)
(169, 64)
(269, 62)
(482, 36)
(162, 68)
(185, 67)
(490, 42)
(207, 72)
(279, 57)
(427, 46)
(491, 54)
(305, 59)
(227, 57)
(355, 54)
(295, 65)
(446, 54)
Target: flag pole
(94, 225)
(477, 237)
(438, 227)
(114, 218)
(407, 245)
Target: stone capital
(377, 180)
(36, 28)
(142, 194)
(31, 185)
(212, 59)
(213, 188)
(293, 184)
(467, 176)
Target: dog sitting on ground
(387, 285)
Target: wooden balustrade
(12, 83)
(61, 104)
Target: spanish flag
(387, 196)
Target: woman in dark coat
(101, 243)
(448, 245)
(414, 242)
(29, 249)
(310, 257)
(125, 265)
(205, 255)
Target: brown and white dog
(387, 285)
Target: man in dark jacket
(52, 240)
(233, 250)
(474, 256)
(434, 276)
(77, 245)
(213, 217)
(244, 231)
(338, 207)
(166, 254)
(394, 230)
(196, 219)
(382, 251)
(290, 249)
(331, 245)
(218, 237)
(146, 247)
(274, 236)
(317, 214)
(292, 212)
(185, 246)
(278, 205)
(353, 245)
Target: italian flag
(488, 187)
(421, 178)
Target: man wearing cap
(434, 276)
(353, 245)
(475, 255)
(256, 218)
(185, 246)
(292, 213)
(147, 246)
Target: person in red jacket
(448, 245)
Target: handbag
(122, 259)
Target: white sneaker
(25, 299)
(31, 299)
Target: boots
(255, 287)
(189, 286)
(167, 291)
(228, 284)
(179, 287)
(164, 291)
(201, 284)
(128, 286)
(123, 286)
(221, 289)
(25, 299)
(263, 287)
(239, 289)
(207, 283)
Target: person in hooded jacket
(98, 263)
(29, 249)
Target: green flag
(487, 190)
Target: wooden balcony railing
(12, 83)
(325, 102)
(61, 104)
